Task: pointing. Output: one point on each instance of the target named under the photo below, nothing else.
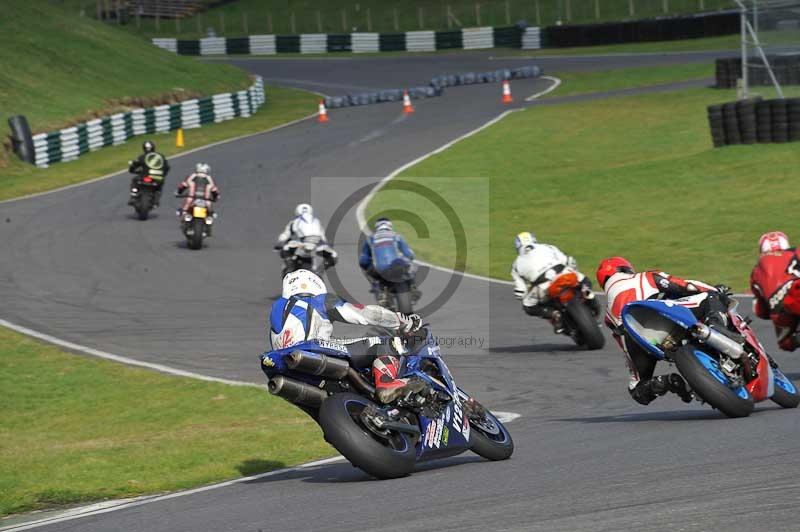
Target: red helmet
(609, 267)
(773, 241)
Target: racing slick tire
(589, 333)
(706, 380)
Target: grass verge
(609, 80)
(283, 105)
(634, 176)
(76, 429)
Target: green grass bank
(634, 176)
(77, 429)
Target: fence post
(222, 23)
(158, 22)
(319, 21)
(597, 9)
(119, 12)
(244, 23)
(477, 14)
(200, 24)
(99, 11)
(421, 17)
(269, 22)
(177, 25)
(508, 13)
(449, 17)
(569, 11)
(344, 20)
(702, 5)
(292, 23)
(631, 10)
(538, 14)
(666, 6)
(396, 19)
(369, 19)
(138, 19)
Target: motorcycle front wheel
(785, 391)
(392, 455)
(490, 439)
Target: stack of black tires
(785, 67)
(755, 121)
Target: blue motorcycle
(730, 370)
(334, 386)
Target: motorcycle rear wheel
(383, 458)
(143, 204)
(708, 387)
(195, 240)
(589, 333)
(403, 298)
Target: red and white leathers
(623, 288)
(775, 282)
(200, 186)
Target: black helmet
(148, 146)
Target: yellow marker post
(179, 139)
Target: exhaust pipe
(718, 341)
(317, 364)
(296, 392)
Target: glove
(725, 294)
(409, 323)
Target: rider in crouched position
(302, 228)
(149, 163)
(533, 272)
(385, 254)
(199, 185)
(623, 285)
(306, 311)
(775, 282)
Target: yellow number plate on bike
(200, 212)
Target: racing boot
(557, 319)
(388, 387)
(678, 386)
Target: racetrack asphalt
(78, 266)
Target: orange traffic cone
(407, 107)
(507, 92)
(323, 113)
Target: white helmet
(303, 282)
(773, 241)
(304, 208)
(384, 224)
(202, 168)
(524, 241)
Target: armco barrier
(70, 143)
(410, 41)
(532, 39)
(755, 121)
(434, 88)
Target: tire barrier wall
(434, 88)
(755, 121)
(72, 142)
(660, 29)
(785, 67)
(318, 43)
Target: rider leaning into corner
(533, 272)
(775, 282)
(149, 163)
(623, 285)
(306, 311)
(305, 227)
(383, 253)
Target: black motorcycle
(196, 223)
(310, 253)
(144, 194)
(396, 288)
(579, 309)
